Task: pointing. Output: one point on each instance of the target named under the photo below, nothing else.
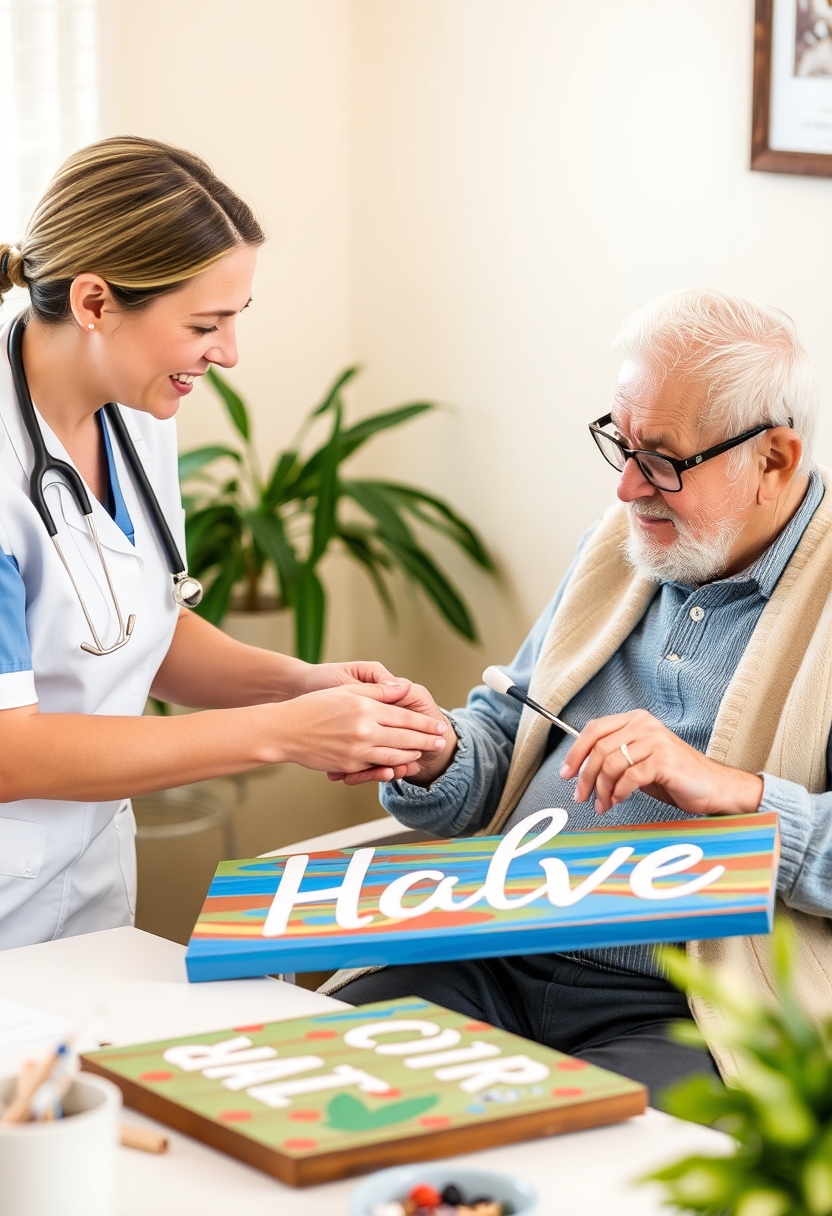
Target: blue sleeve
(465, 797)
(804, 878)
(17, 682)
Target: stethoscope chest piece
(187, 591)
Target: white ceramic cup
(65, 1167)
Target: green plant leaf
(335, 388)
(283, 476)
(194, 459)
(354, 436)
(309, 607)
(356, 542)
(379, 504)
(232, 401)
(323, 527)
(212, 537)
(217, 598)
(270, 536)
(440, 516)
(416, 563)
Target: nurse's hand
(334, 675)
(431, 764)
(355, 728)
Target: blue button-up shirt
(677, 663)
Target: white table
(136, 985)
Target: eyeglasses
(663, 472)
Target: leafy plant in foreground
(779, 1113)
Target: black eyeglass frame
(679, 466)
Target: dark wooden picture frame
(769, 160)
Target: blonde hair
(748, 354)
(143, 215)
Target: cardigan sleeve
(804, 877)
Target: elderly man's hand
(662, 765)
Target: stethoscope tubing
(186, 590)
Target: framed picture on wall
(792, 117)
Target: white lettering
(448, 1038)
(364, 1037)
(390, 903)
(346, 895)
(477, 1051)
(511, 1070)
(561, 894)
(672, 859)
(342, 1075)
(509, 848)
(242, 1075)
(193, 1057)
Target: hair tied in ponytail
(4, 264)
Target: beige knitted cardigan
(775, 716)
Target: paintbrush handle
(519, 695)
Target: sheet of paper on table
(533, 890)
(21, 1026)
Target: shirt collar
(768, 567)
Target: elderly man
(691, 643)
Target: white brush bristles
(496, 679)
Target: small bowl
(386, 1185)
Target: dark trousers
(616, 1021)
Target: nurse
(137, 261)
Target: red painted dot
(435, 1121)
(567, 1092)
(156, 1076)
(477, 1027)
(390, 1093)
(304, 1116)
(235, 1116)
(300, 1144)
(321, 1034)
(249, 1029)
(572, 1065)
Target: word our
(659, 864)
(260, 1071)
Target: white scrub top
(70, 867)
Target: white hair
(748, 355)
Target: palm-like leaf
(238, 527)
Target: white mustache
(652, 510)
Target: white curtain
(48, 97)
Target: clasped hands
(612, 758)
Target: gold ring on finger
(626, 755)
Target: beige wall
(469, 196)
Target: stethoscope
(187, 591)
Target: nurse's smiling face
(149, 358)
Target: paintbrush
(500, 682)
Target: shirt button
(673, 658)
(697, 613)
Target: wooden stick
(142, 1138)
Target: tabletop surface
(134, 986)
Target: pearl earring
(90, 326)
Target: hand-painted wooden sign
(355, 1089)
(533, 890)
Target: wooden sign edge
(306, 1171)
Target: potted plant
(779, 1113)
(243, 525)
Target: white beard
(692, 558)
